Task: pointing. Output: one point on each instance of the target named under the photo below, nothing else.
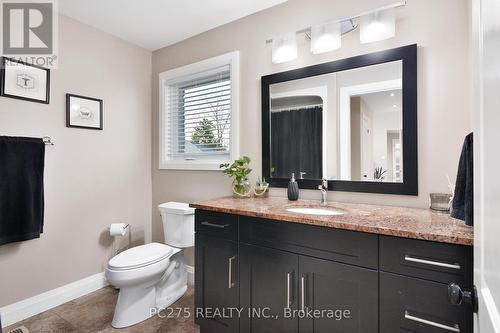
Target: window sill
(192, 166)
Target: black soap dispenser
(293, 189)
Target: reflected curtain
(296, 143)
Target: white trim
(488, 302)
(190, 271)
(485, 79)
(21, 310)
(232, 59)
(345, 94)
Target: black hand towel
(21, 188)
(463, 201)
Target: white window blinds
(197, 116)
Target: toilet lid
(140, 256)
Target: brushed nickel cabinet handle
(288, 290)
(303, 292)
(432, 262)
(230, 279)
(215, 225)
(454, 328)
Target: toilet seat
(140, 256)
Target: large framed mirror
(351, 121)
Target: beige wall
(440, 28)
(92, 178)
(356, 138)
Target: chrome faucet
(323, 187)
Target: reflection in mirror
(376, 125)
(343, 125)
(296, 136)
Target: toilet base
(173, 284)
(138, 303)
(172, 298)
(135, 304)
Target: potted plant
(239, 171)
(261, 188)
(379, 174)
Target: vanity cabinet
(350, 282)
(216, 278)
(414, 279)
(339, 297)
(421, 306)
(268, 286)
(350, 292)
(292, 267)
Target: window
(199, 114)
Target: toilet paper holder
(120, 229)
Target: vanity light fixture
(377, 24)
(326, 37)
(284, 48)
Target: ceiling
(153, 24)
(384, 101)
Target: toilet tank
(178, 224)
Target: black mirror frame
(408, 55)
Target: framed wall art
(84, 112)
(24, 81)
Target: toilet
(153, 276)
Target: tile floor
(93, 314)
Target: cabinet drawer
(216, 224)
(428, 260)
(419, 306)
(344, 246)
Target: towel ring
(47, 140)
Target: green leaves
(238, 170)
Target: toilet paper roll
(118, 229)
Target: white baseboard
(190, 270)
(21, 310)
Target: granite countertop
(384, 220)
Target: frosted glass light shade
(377, 26)
(325, 37)
(284, 48)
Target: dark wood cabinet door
(216, 283)
(268, 285)
(415, 305)
(340, 298)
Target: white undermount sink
(316, 211)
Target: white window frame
(231, 59)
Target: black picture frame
(68, 111)
(408, 56)
(3, 61)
